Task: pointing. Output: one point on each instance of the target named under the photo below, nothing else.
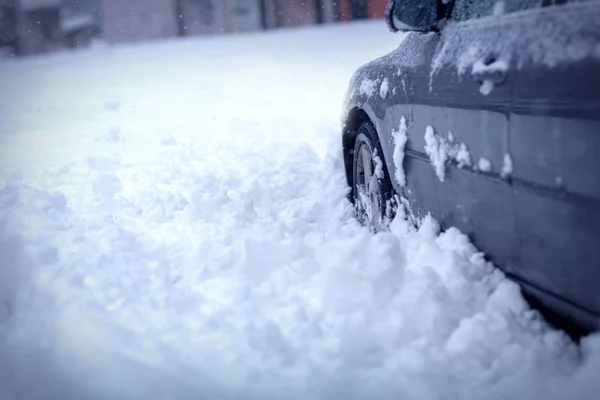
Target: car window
(471, 9)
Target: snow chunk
(440, 151)
(507, 166)
(484, 165)
(378, 165)
(385, 88)
(437, 153)
(486, 87)
(368, 87)
(497, 66)
(463, 157)
(400, 138)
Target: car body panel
(540, 221)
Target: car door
(512, 82)
(458, 131)
(554, 143)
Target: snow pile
(486, 87)
(208, 249)
(400, 138)
(368, 87)
(384, 89)
(436, 151)
(441, 151)
(484, 165)
(378, 165)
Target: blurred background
(42, 26)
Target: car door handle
(490, 69)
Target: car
(487, 117)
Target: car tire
(372, 191)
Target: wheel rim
(368, 194)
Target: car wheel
(372, 190)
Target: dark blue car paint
(541, 225)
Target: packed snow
(368, 87)
(384, 89)
(462, 155)
(441, 151)
(174, 225)
(484, 165)
(507, 166)
(496, 66)
(400, 138)
(486, 87)
(436, 151)
(378, 163)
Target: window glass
(204, 11)
(470, 9)
(416, 14)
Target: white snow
(440, 151)
(436, 151)
(378, 165)
(384, 89)
(462, 155)
(486, 87)
(368, 87)
(400, 138)
(507, 166)
(484, 165)
(195, 241)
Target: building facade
(138, 20)
(35, 26)
(30, 26)
(360, 9)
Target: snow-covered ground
(173, 225)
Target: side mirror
(412, 15)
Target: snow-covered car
(487, 116)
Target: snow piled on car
(368, 87)
(194, 239)
(400, 138)
(441, 151)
